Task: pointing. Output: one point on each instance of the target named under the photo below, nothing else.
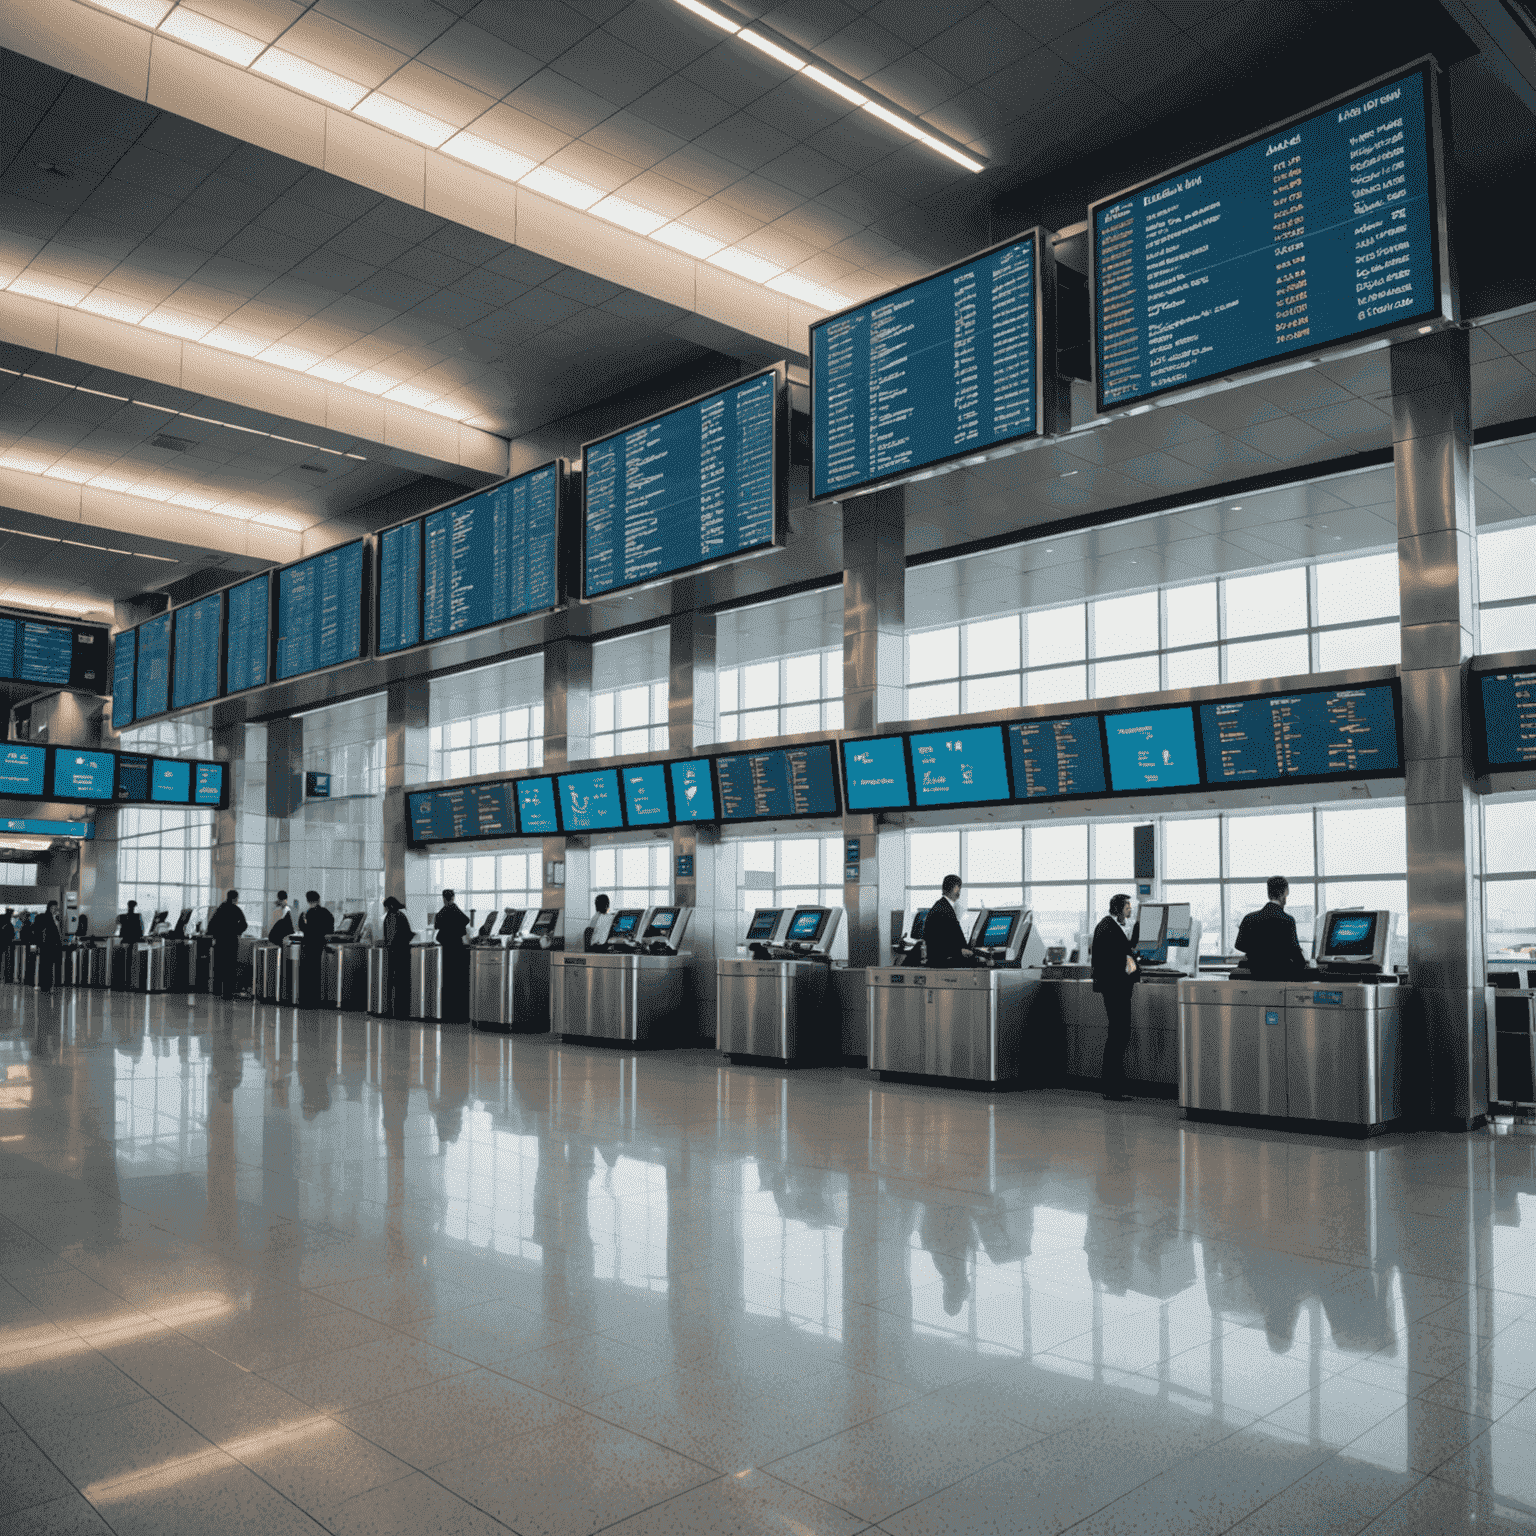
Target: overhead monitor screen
(196, 676)
(536, 807)
(467, 811)
(82, 775)
(132, 779)
(696, 485)
(764, 921)
(786, 781)
(959, 767)
(152, 681)
(170, 781)
(320, 611)
(999, 929)
(1151, 749)
(124, 665)
(21, 769)
(589, 802)
(807, 925)
(1052, 759)
(492, 557)
(876, 774)
(249, 628)
(942, 368)
(624, 924)
(399, 587)
(1319, 230)
(1300, 735)
(208, 783)
(645, 796)
(36, 653)
(693, 792)
(1509, 718)
(1350, 934)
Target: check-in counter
(777, 1010)
(146, 967)
(266, 972)
(509, 988)
(378, 980)
(180, 964)
(1072, 1026)
(426, 982)
(639, 999)
(961, 1024)
(848, 993)
(344, 976)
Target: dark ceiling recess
(172, 444)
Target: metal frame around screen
(722, 820)
(50, 795)
(1044, 342)
(219, 658)
(226, 691)
(780, 373)
(170, 665)
(104, 630)
(1444, 295)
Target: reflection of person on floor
(224, 928)
(316, 925)
(451, 927)
(50, 947)
(1114, 976)
(398, 934)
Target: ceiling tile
(610, 68)
(664, 32)
(480, 59)
(561, 103)
(406, 25)
(681, 107)
(342, 50)
(544, 28)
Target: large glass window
(165, 861)
(490, 720)
(791, 872)
(1509, 874)
(1506, 570)
(629, 694)
(633, 874)
(782, 696)
(486, 882)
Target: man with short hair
(316, 925)
(1114, 976)
(131, 928)
(397, 959)
(224, 928)
(600, 906)
(943, 935)
(452, 925)
(50, 947)
(1268, 937)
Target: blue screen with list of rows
(152, 683)
(195, 678)
(246, 641)
(1300, 735)
(320, 611)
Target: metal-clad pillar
(1437, 575)
(285, 797)
(567, 874)
(407, 716)
(240, 829)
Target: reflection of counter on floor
(1070, 1021)
(634, 999)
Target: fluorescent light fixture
(27, 463)
(211, 36)
(372, 382)
(563, 188)
(953, 154)
(172, 324)
(829, 83)
(227, 339)
(333, 372)
(745, 265)
(114, 306)
(807, 292)
(406, 121)
(619, 210)
(411, 394)
(290, 69)
(685, 238)
(763, 45)
(279, 520)
(710, 15)
(147, 13)
(887, 116)
(295, 358)
(74, 475)
(56, 290)
(482, 153)
(194, 499)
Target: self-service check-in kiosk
(966, 1023)
(344, 966)
(635, 986)
(181, 956)
(146, 961)
(509, 972)
(774, 1005)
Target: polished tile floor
(270, 1271)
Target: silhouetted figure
(50, 947)
(452, 925)
(1114, 976)
(225, 927)
(316, 925)
(398, 934)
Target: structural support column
(407, 709)
(1437, 574)
(567, 876)
(240, 830)
(285, 797)
(874, 692)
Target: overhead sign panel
(83, 775)
(1152, 749)
(1509, 719)
(466, 812)
(1056, 759)
(124, 666)
(152, 683)
(645, 796)
(247, 634)
(963, 766)
(875, 774)
(1321, 230)
(693, 790)
(196, 676)
(782, 782)
(941, 369)
(21, 770)
(399, 588)
(1313, 734)
(589, 802)
(320, 611)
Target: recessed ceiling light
(772, 49)
(148, 13)
(691, 241)
(619, 210)
(744, 264)
(710, 15)
(837, 87)
(406, 121)
(473, 150)
(289, 69)
(211, 36)
(806, 291)
(563, 188)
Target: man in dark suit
(7, 943)
(50, 947)
(225, 927)
(398, 934)
(316, 925)
(943, 936)
(1114, 976)
(451, 925)
(1268, 937)
(130, 929)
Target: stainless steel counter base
(632, 999)
(776, 1010)
(965, 1025)
(509, 989)
(344, 977)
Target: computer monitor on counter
(764, 925)
(511, 921)
(1355, 938)
(813, 929)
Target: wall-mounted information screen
(645, 796)
(195, 678)
(469, 811)
(698, 484)
(124, 665)
(942, 368)
(76, 773)
(589, 802)
(693, 791)
(83, 775)
(491, 557)
(782, 782)
(1509, 719)
(247, 634)
(875, 774)
(207, 783)
(132, 779)
(1322, 229)
(170, 782)
(36, 653)
(536, 807)
(399, 588)
(320, 611)
(1151, 749)
(152, 680)
(21, 770)
(964, 766)
(1053, 759)
(1301, 735)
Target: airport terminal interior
(769, 767)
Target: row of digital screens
(64, 655)
(129, 778)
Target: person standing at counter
(7, 943)
(943, 937)
(50, 946)
(130, 928)
(600, 909)
(1114, 976)
(280, 924)
(224, 928)
(316, 925)
(398, 934)
(452, 925)
(1268, 937)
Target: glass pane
(454, 871)
(1509, 908)
(1193, 669)
(759, 722)
(458, 734)
(832, 715)
(1058, 634)
(802, 678)
(1380, 645)
(1269, 844)
(1267, 658)
(1059, 685)
(995, 856)
(1241, 900)
(1191, 614)
(931, 856)
(514, 724)
(635, 867)
(1364, 839)
(832, 674)
(1269, 601)
(727, 680)
(1111, 678)
(660, 738)
(514, 871)
(760, 685)
(977, 896)
(1112, 856)
(1509, 836)
(992, 645)
(1099, 896)
(634, 741)
(482, 873)
(984, 693)
(730, 728)
(1507, 629)
(635, 707)
(934, 653)
(1192, 849)
(515, 755)
(487, 759)
(1205, 907)
(758, 855)
(1123, 625)
(796, 896)
(487, 728)
(935, 699)
(799, 861)
(1357, 589)
(802, 717)
(1061, 912)
(1506, 563)
(1058, 853)
(459, 764)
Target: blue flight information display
(124, 664)
(959, 767)
(1152, 749)
(469, 811)
(152, 679)
(492, 557)
(536, 807)
(785, 781)
(170, 781)
(1300, 735)
(132, 779)
(208, 784)
(245, 645)
(1319, 230)
(36, 653)
(645, 796)
(21, 770)
(941, 368)
(589, 802)
(684, 489)
(1055, 758)
(399, 588)
(1509, 719)
(195, 678)
(320, 611)
(83, 775)
(693, 791)
(875, 773)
